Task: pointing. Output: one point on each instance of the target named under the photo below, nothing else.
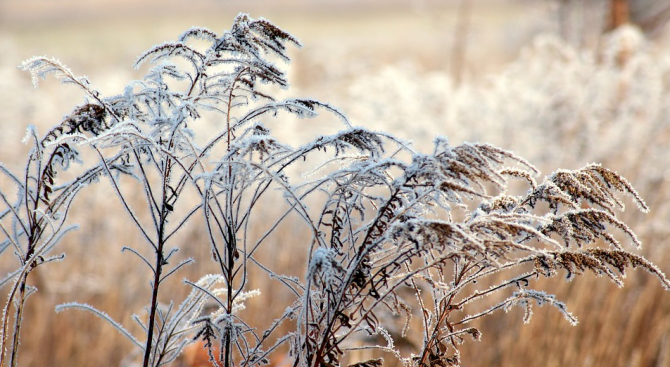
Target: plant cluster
(399, 239)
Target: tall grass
(395, 251)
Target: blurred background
(561, 83)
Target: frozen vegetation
(401, 252)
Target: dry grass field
(387, 65)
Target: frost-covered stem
(364, 249)
(418, 297)
(5, 326)
(20, 286)
(195, 81)
(482, 274)
(407, 277)
(154, 295)
(32, 238)
(230, 228)
(231, 262)
(160, 259)
(17, 321)
(26, 263)
(228, 263)
(123, 200)
(445, 311)
(480, 294)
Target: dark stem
(154, 295)
(363, 251)
(160, 259)
(17, 321)
(232, 247)
(22, 293)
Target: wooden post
(619, 13)
(461, 31)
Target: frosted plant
(36, 205)
(396, 239)
(555, 105)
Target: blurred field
(387, 65)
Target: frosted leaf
(169, 49)
(40, 66)
(199, 33)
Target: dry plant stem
(24, 278)
(154, 295)
(27, 264)
(445, 308)
(20, 305)
(230, 230)
(5, 324)
(364, 249)
(160, 258)
(125, 203)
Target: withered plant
(400, 241)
